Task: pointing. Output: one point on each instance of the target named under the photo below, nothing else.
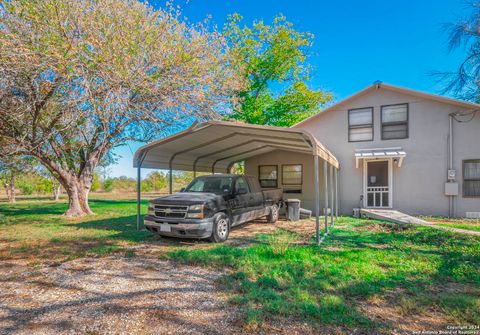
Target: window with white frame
(268, 175)
(471, 178)
(360, 124)
(292, 178)
(394, 121)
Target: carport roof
(215, 146)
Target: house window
(394, 122)
(471, 178)
(360, 124)
(268, 175)
(292, 178)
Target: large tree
(273, 60)
(465, 34)
(78, 77)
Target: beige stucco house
(397, 148)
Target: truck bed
(272, 196)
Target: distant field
(368, 277)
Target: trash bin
(293, 209)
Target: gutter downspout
(451, 209)
(452, 117)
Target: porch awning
(380, 153)
(216, 145)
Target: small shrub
(95, 183)
(108, 185)
(279, 244)
(26, 189)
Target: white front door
(377, 183)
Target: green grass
(466, 226)
(415, 271)
(37, 228)
(363, 263)
(460, 223)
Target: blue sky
(356, 42)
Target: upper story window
(394, 121)
(360, 124)
(268, 175)
(471, 178)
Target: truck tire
(221, 228)
(272, 216)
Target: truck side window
(241, 183)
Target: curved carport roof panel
(215, 145)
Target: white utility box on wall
(451, 188)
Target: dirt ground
(122, 295)
(138, 295)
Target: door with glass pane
(378, 184)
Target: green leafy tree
(108, 185)
(12, 168)
(95, 182)
(146, 187)
(157, 181)
(273, 61)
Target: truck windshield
(217, 185)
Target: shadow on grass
(20, 210)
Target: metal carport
(215, 146)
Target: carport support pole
(332, 199)
(336, 193)
(170, 180)
(317, 199)
(325, 188)
(138, 195)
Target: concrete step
(392, 216)
(404, 219)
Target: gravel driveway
(112, 295)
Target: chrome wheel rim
(222, 228)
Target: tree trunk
(56, 191)
(12, 188)
(77, 189)
(77, 184)
(7, 190)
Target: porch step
(392, 216)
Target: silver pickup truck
(210, 205)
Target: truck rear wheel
(272, 217)
(221, 228)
